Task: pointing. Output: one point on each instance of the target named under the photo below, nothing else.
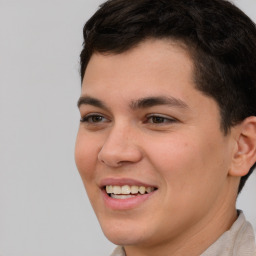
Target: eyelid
(85, 118)
(169, 119)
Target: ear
(245, 152)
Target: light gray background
(44, 210)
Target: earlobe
(245, 153)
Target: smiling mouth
(126, 191)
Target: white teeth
(117, 190)
(126, 189)
(109, 189)
(149, 189)
(142, 190)
(134, 189)
(121, 196)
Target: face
(149, 148)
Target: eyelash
(89, 118)
(159, 119)
(156, 119)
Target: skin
(183, 153)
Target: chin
(124, 232)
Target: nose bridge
(120, 146)
(120, 132)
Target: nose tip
(117, 158)
(119, 150)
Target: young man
(168, 125)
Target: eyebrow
(154, 101)
(136, 104)
(87, 100)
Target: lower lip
(125, 204)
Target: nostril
(111, 163)
(116, 152)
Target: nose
(120, 147)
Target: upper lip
(122, 182)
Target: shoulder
(119, 251)
(239, 240)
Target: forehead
(154, 62)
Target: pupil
(96, 118)
(157, 119)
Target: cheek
(188, 163)
(191, 176)
(85, 156)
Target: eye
(93, 119)
(159, 119)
